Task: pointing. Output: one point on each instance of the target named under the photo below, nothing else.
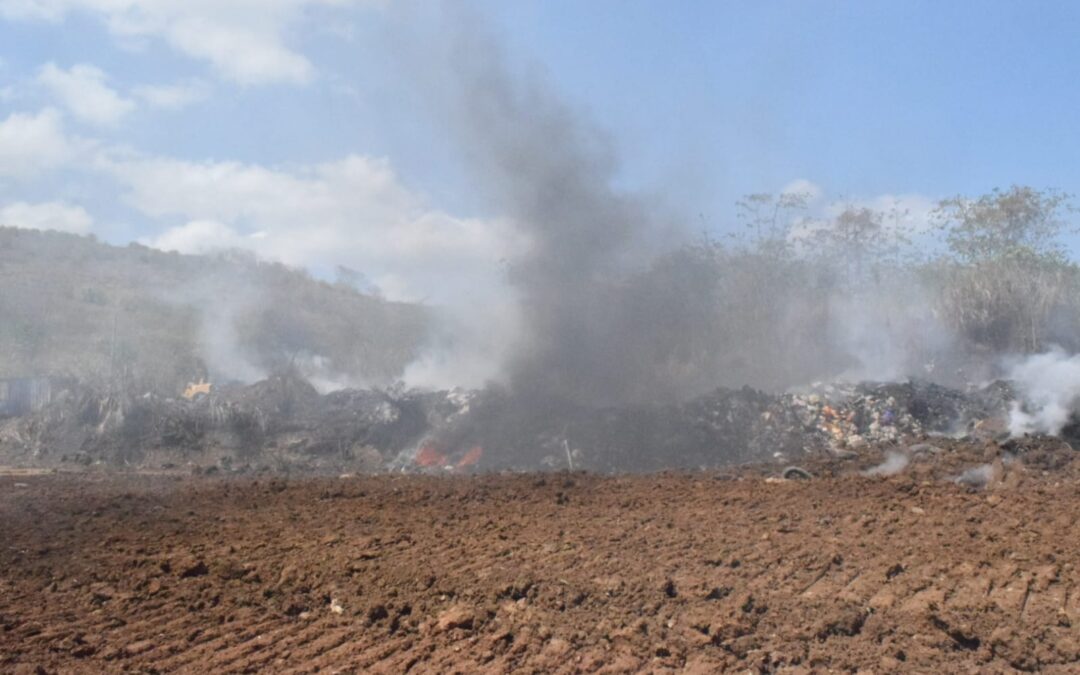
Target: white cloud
(46, 216)
(909, 215)
(84, 90)
(32, 143)
(173, 96)
(199, 236)
(243, 39)
(801, 186)
(351, 212)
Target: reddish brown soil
(537, 574)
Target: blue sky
(300, 128)
(862, 98)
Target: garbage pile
(724, 427)
(852, 416)
(283, 423)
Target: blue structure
(24, 395)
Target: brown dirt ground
(530, 573)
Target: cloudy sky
(305, 130)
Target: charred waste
(285, 424)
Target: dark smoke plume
(552, 174)
(617, 304)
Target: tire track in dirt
(180, 651)
(266, 650)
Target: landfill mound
(284, 424)
(538, 573)
(724, 427)
(281, 423)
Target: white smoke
(220, 298)
(469, 343)
(219, 344)
(1049, 385)
(977, 476)
(887, 335)
(894, 463)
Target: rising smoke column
(614, 306)
(584, 337)
(551, 174)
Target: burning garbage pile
(283, 423)
(722, 428)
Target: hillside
(75, 307)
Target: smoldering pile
(283, 423)
(723, 428)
